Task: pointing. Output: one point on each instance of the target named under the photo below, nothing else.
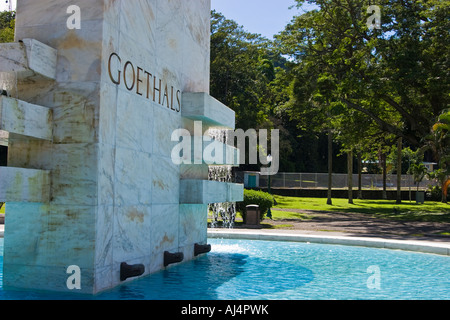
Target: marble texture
(26, 119)
(218, 153)
(30, 59)
(202, 107)
(4, 137)
(113, 193)
(205, 192)
(26, 185)
(41, 58)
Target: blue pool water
(257, 270)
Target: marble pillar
(108, 97)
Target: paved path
(365, 225)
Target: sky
(4, 5)
(266, 17)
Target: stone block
(25, 119)
(201, 106)
(24, 185)
(206, 192)
(97, 186)
(28, 59)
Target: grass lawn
(409, 211)
(283, 215)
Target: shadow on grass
(406, 211)
(401, 214)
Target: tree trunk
(445, 187)
(399, 170)
(360, 175)
(350, 176)
(384, 166)
(444, 197)
(330, 165)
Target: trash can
(252, 215)
(420, 197)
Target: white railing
(320, 181)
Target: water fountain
(91, 184)
(226, 210)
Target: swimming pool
(259, 270)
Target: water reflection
(195, 280)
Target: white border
(440, 248)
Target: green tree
(314, 40)
(441, 135)
(248, 75)
(393, 77)
(418, 171)
(240, 70)
(7, 25)
(439, 142)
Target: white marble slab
(22, 118)
(24, 185)
(41, 58)
(115, 194)
(28, 59)
(205, 192)
(218, 153)
(13, 57)
(202, 107)
(441, 248)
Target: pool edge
(440, 248)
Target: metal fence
(320, 181)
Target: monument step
(206, 192)
(29, 59)
(213, 153)
(24, 185)
(200, 106)
(25, 119)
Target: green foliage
(435, 193)
(441, 132)
(251, 76)
(370, 86)
(7, 25)
(264, 200)
(418, 171)
(241, 70)
(248, 74)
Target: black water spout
(130, 271)
(201, 249)
(171, 258)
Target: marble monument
(94, 90)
